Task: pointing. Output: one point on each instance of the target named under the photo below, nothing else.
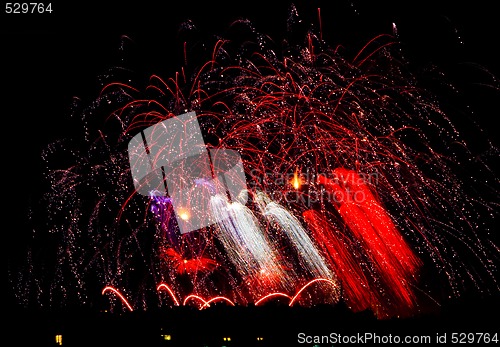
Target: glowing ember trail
(390, 260)
(117, 293)
(167, 288)
(272, 295)
(246, 245)
(206, 303)
(379, 219)
(309, 257)
(341, 251)
(316, 280)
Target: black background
(47, 59)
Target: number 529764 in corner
(28, 7)
(472, 337)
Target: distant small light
(260, 338)
(59, 340)
(167, 337)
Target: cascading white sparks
(310, 258)
(247, 247)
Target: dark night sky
(48, 59)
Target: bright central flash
(296, 181)
(184, 214)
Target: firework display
(351, 195)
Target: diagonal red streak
(391, 257)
